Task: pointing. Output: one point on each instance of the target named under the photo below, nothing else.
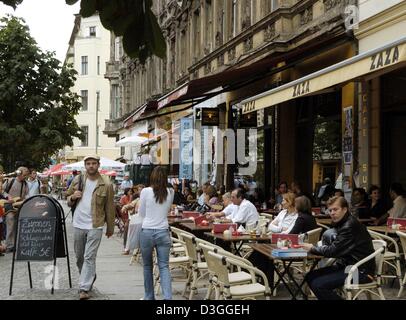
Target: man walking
(93, 197)
(15, 189)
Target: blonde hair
(290, 199)
(227, 195)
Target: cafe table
(266, 250)
(236, 241)
(175, 220)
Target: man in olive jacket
(351, 244)
(93, 198)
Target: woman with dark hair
(305, 221)
(127, 196)
(359, 205)
(155, 203)
(375, 203)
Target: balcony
(112, 70)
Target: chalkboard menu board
(36, 232)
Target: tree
(132, 19)
(37, 108)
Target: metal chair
(373, 287)
(402, 237)
(221, 265)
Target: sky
(50, 22)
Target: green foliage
(327, 140)
(12, 3)
(37, 108)
(131, 19)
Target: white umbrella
(130, 141)
(105, 164)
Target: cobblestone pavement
(116, 278)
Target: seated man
(246, 214)
(351, 244)
(398, 210)
(229, 208)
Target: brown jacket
(103, 210)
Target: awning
(130, 141)
(128, 122)
(352, 69)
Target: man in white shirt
(126, 183)
(397, 192)
(94, 196)
(246, 214)
(200, 201)
(230, 209)
(34, 185)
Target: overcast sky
(50, 22)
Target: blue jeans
(324, 281)
(161, 241)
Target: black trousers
(264, 264)
(324, 281)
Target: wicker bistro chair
(391, 259)
(236, 275)
(199, 267)
(402, 237)
(373, 287)
(181, 262)
(221, 265)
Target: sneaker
(94, 279)
(83, 295)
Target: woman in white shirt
(155, 203)
(286, 219)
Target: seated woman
(211, 196)
(188, 194)
(286, 219)
(305, 221)
(127, 196)
(359, 205)
(375, 203)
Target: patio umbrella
(105, 163)
(61, 173)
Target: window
(117, 52)
(98, 65)
(84, 65)
(92, 31)
(85, 131)
(98, 100)
(116, 102)
(122, 151)
(84, 96)
(233, 19)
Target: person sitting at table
(286, 219)
(187, 193)
(282, 189)
(398, 210)
(351, 244)
(246, 214)
(202, 193)
(210, 197)
(375, 202)
(229, 208)
(305, 221)
(178, 197)
(127, 197)
(338, 193)
(359, 205)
